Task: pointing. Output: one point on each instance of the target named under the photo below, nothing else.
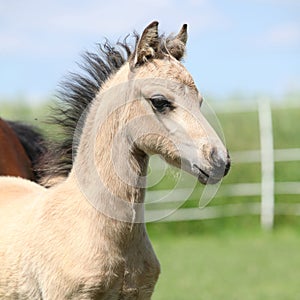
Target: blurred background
(245, 59)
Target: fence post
(267, 164)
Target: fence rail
(266, 189)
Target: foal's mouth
(204, 177)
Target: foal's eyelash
(161, 103)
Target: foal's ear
(176, 46)
(147, 45)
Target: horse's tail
(33, 142)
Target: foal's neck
(110, 172)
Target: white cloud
(284, 36)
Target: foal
(84, 238)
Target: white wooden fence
(266, 189)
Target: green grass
(286, 128)
(232, 265)
(20, 110)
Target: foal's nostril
(214, 154)
(223, 165)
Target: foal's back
(17, 194)
(17, 197)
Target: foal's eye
(161, 103)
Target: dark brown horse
(21, 146)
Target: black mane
(74, 96)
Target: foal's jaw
(206, 158)
(208, 166)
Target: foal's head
(163, 106)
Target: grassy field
(229, 266)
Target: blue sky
(247, 46)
